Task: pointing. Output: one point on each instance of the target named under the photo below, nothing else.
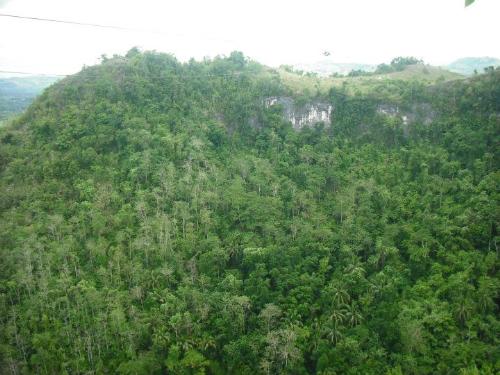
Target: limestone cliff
(305, 115)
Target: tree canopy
(156, 217)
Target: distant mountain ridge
(17, 93)
(469, 65)
(465, 66)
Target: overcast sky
(272, 32)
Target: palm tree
(334, 333)
(337, 316)
(353, 316)
(340, 296)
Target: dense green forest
(156, 217)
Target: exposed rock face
(388, 110)
(305, 115)
(422, 112)
(419, 112)
(309, 114)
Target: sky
(271, 32)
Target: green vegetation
(397, 64)
(360, 81)
(156, 217)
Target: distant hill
(424, 72)
(464, 66)
(468, 65)
(17, 93)
(427, 74)
(326, 68)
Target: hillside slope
(418, 73)
(159, 217)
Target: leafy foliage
(156, 217)
(397, 64)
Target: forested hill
(159, 217)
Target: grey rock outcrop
(302, 116)
(419, 112)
